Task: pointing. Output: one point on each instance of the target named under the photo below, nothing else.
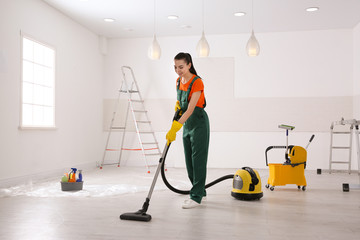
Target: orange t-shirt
(198, 85)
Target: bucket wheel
(302, 188)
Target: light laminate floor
(40, 210)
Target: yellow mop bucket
(293, 170)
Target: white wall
(77, 141)
(300, 78)
(356, 64)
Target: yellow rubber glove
(171, 135)
(177, 106)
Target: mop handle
(312, 137)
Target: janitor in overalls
(196, 132)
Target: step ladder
(149, 146)
(353, 126)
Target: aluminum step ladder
(140, 118)
(352, 123)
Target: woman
(196, 133)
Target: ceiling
(135, 18)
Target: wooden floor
(42, 211)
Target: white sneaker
(189, 203)
(204, 199)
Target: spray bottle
(72, 177)
(80, 176)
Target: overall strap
(178, 83)
(190, 86)
(189, 90)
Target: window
(38, 84)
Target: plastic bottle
(65, 178)
(80, 176)
(73, 175)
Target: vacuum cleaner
(246, 185)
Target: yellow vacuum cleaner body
(246, 184)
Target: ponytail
(187, 58)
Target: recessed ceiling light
(173, 17)
(312, 9)
(239, 14)
(185, 26)
(109, 20)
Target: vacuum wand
(141, 214)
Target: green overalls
(196, 135)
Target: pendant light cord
(154, 17)
(252, 15)
(203, 25)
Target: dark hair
(187, 58)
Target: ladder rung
(143, 111)
(139, 149)
(146, 132)
(340, 147)
(130, 91)
(149, 143)
(341, 132)
(136, 100)
(340, 162)
(108, 164)
(111, 149)
(143, 121)
(117, 127)
(152, 154)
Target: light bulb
(202, 48)
(252, 46)
(154, 51)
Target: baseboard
(41, 176)
(339, 171)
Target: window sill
(38, 128)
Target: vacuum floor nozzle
(136, 216)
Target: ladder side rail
(134, 117)
(357, 145)
(123, 136)
(146, 114)
(110, 130)
(350, 148)
(331, 145)
(136, 85)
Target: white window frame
(40, 127)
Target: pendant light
(202, 48)
(252, 46)
(154, 51)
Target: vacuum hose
(185, 192)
